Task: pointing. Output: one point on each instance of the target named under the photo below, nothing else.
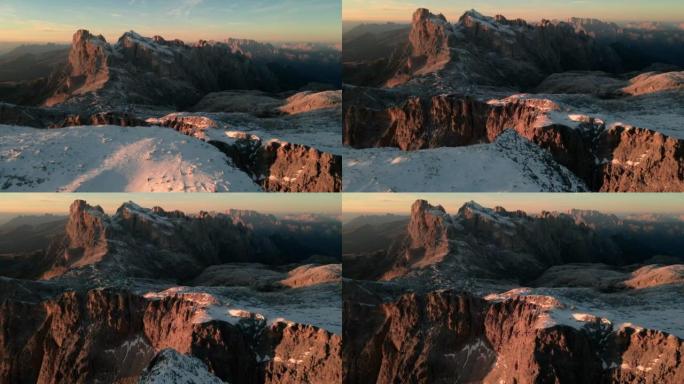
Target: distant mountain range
(146, 70)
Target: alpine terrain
(488, 295)
(154, 296)
(149, 114)
(492, 104)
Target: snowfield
(173, 367)
(654, 308)
(318, 306)
(113, 159)
(510, 163)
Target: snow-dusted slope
(318, 306)
(171, 367)
(511, 163)
(112, 158)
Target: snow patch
(113, 159)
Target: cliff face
(108, 335)
(447, 336)
(285, 167)
(87, 69)
(275, 165)
(607, 159)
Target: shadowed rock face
(298, 168)
(107, 335)
(607, 159)
(447, 336)
(285, 167)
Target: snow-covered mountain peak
(422, 207)
(498, 215)
(132, 207)
(133, 35)
(83, 35)
(475, 208)
(473, 13)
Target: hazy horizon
(400, 11)
(16, 204)
(44, 21)
(533, 203)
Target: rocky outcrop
(447, 336)
(110, 335)
(284, 167)
(429, 46)
(446, 120)
(289, 167)
(427, 239)
(607, 159)
(638, 160)
(303, 102)
(87, 69)
(275, 165)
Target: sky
(12, 204)
(617, 203)
(531, 10)
(188, 20)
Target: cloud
(184, 8)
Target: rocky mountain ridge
(495, 243)
(487, 50)
(113, 335)
(259, 300)
(618, 157)
(152, 243)
(491, 341)
(464, 83)
(155, 71)
(456, 300)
